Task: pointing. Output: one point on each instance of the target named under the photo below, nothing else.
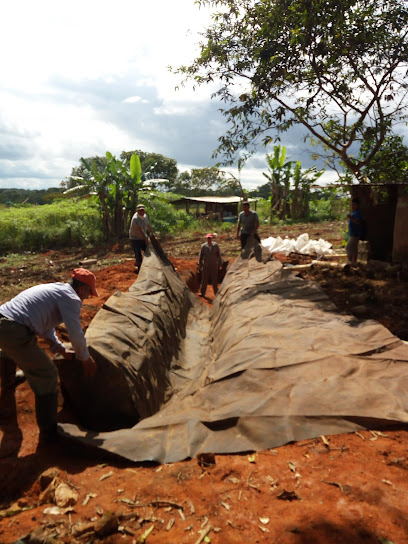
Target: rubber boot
(7, 373)
(9, 376)
(8, 385)
(46, 407)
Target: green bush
(263, 209)
(64, 223)
(327, 210)
(226, 227)
(165, 219)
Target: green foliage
(116, 185)
(13, 197)
(263, 191)
(64, 223)
(154, 167)
(389, 164)
(263, 207)
(226, 227)
(165, 219)
(154, 171)
(279, 175)
(231, 185)
(209, 180)
(335, 67)
(328, 204)
(72, 222)
(289, 186)
(166, 196)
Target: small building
(385, 210)
(225, 206)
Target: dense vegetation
(9, 197)
(73, 222)
(63, 223)
(100, 197)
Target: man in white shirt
(38, 311)
(139, 227)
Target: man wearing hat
(139, 227)
(209, 262)
(37, 311)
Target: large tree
(337, 67)
(155, 167)
(199, 182)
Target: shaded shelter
(270, 362)
(223, 206)
(384, 207)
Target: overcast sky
(80, 78)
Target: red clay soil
(350, 488)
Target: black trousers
(244, 239)
(138, 247)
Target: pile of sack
(302, 245)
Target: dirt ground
(335, 489)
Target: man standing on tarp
(139, 227)
(209, 262)
(249, 222)
(37, 311)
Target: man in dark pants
(139, 227)
(354, 231)
(209, 262)
(37, 311)
(248, 224)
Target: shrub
(63, 223)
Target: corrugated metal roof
(215, 199)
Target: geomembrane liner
(272, 361)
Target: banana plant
(279, 176)
(116, 187)
(300, 194)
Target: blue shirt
(354, 229)
(44, 307)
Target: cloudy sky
(80, 78)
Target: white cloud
(68, 81)
(83, 77)
(134, 99)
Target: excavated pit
(142, 341)
(270, 362)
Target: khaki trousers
(20, 344)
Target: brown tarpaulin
(272, 361)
